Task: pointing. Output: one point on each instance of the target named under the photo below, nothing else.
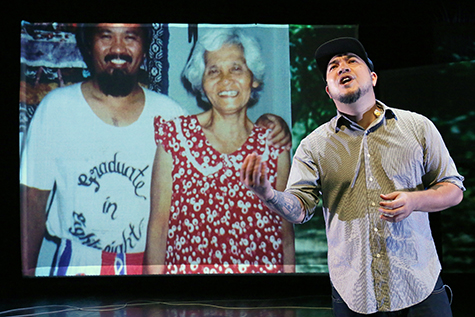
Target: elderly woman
(203, 219)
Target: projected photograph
(132, 138)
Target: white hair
(213, 40)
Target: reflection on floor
(304, 306)
(189, 296)
(76, 307)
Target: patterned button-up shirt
(374, 265)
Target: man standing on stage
(379, 171)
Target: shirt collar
(341, 119)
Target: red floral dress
(216, 224)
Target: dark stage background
(424, 54)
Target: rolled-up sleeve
(303, 180)
(438, 163)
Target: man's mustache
(124, 57)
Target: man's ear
(328, 92)
(374, 78)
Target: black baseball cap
(337, 46)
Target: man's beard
(350, 98)
(117, 84)
(354, 96)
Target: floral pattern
(216, 224)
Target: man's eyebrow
(333, 60)
(345, 56)
(351, 55)
(134, 31)
(102, 30)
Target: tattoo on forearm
(436, 186)
(285, 204)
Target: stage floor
(189, 296)
(303, 306)
(136, 307)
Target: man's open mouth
(118, 59)
(346, 79)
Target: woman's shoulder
(179, 120)
(261, 137)
(182, 125)
(260, 131)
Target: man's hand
(254, 176)
(395, 206)
(280, 135)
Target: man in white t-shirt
(86, 168)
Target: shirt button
(376, 229)
(370, 179)
(378, 255)
(373, 204)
